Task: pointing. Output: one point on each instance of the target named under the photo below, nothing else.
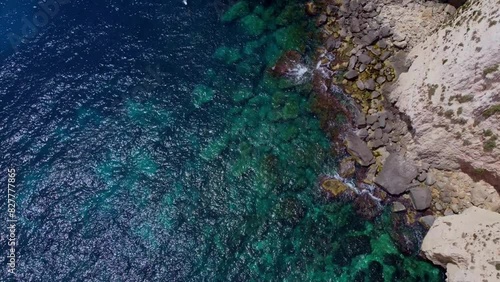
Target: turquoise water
(161, 148)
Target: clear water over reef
(153, 144)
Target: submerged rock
(467, 245)
(253, 25)
(351, 247)
(289, 211)
(334, 186)
(406, 235)
(286, 63)
(202, 94)
(366, 206)
(311, 9)
(238, 10)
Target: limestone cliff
(451, 93)
(467, 245)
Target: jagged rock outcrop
(467, 245)
(451, 93)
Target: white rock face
(467, 245)
(413, 21)
(453, 81)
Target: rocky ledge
(427, 112)
(369, 53)
(467, 245)
(451, 94)
(366, 49)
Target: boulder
(374, 51)
(364, 58)
(321, 20)
(396, 174)
(375, 95)
(381, 79)
(398, 37)
(371, 119)
(363, 133)
(332, 43)
(369, 7)
(427, 221)
(467, 245)
(398, 207)
(350, 75)
(355, 25)
(359, 150)
(422, 176)
(382, 44)
(421, 198)
(450, 10)
(448, 212)
(331, 10)
(352, 62)
(375, 144)
(385, 138)
(375, 125)
(369, 38)
(400, 44)
(381, 120)
(385, 31)
(360, 85)
(370, 84)
(361, 121)
(385, 55)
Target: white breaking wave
(365, 189)
(300, 73)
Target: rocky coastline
(367, 52)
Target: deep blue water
(151, 144)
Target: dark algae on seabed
(209, 171)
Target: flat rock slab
(396, 174)
(359, 150)
(466, 244)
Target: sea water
(152, 143)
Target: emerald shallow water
(209, 173)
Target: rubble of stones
(373, 50)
